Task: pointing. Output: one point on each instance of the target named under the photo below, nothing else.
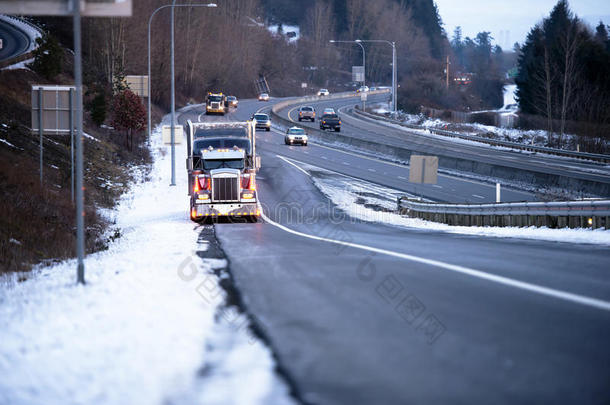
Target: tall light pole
(173, 96)
(332, 41)
(394, 71)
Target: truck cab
(222, 165)
(215, 103)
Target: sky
(509, 21)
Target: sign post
(75, 9)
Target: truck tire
(252, 219)
(300, 119)
(337, 129)
(268, 129)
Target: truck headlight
(247, 195)
(203, 196)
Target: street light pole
(173, 5)
(394, 71)
(173, 98)
(80, 205)
(357, 41)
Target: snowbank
(355, 198)
(143, 327)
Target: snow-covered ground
(529, 137)
(286, 29)
(369, 202)
(149, 327)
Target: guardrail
(555, 214)
(540, 149)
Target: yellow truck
(215, 104)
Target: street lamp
(332, 41)
(173, 96)
(394, 74)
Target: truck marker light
(196, 187)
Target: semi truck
(222, 165)
(215, 103)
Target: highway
(368, 313)
(437, 145)
(14, 41)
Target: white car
(363, 89)
(329, 111)
(323, 92)
(263, 97)
(295, 135)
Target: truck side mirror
(257, 163)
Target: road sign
(357, 73)
(303, 85)
(138, 84)
(55, 111)
(363, 96)
(167, 134)
(423, 169)
(89, 8)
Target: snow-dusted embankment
(143, 329)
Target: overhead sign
(357, 73)
(55, 109)
(423, 169)
(89, 8)
(138, 84)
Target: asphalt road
(365, 129)
(366, 313)
(14, 41)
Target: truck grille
(225, 189)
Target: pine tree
(47, 57)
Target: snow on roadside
(349, 197)
(142, 328)
(30, 30)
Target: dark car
(330, 121)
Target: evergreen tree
(47, 57)
(97, 108)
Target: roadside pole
(72, 145)
(78, 83)
(173, 97)
(40, 129)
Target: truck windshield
(214, 98)
(223, 164)
(216, 143)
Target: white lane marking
(538, 289)
(346, 164)
(402, 178)
(437, 186)
(371, 170)
(199, 116)
(293, 164)
(324, 157)
(478, 196)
